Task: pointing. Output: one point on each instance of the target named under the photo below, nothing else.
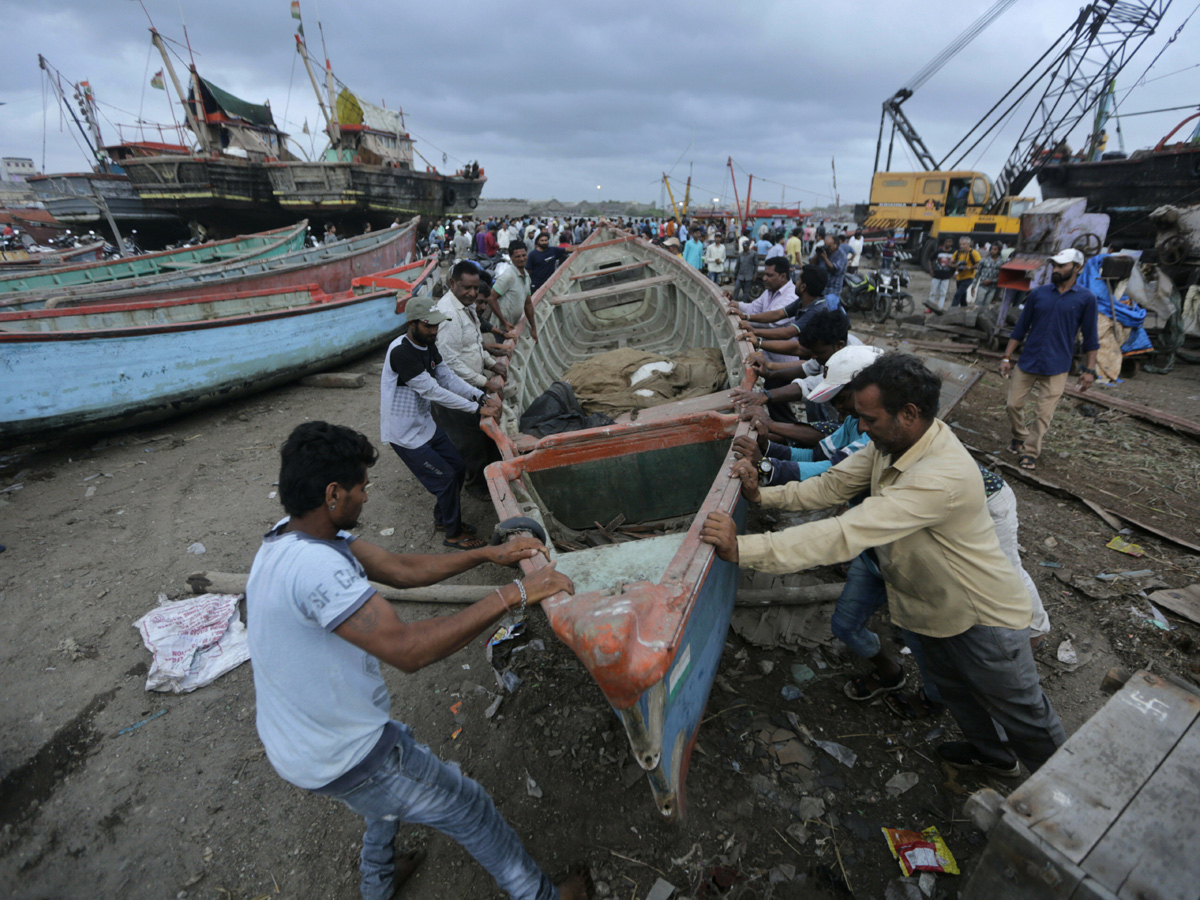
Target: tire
(450, 197)
(472, 203)
(881, 308)
(903, 305)
(928, 251)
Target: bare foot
(578, 884)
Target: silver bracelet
(524, 596)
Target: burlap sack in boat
(602, 383)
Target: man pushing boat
(948, 581)
(317, 633)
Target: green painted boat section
(601, 568)
(654, 484)
(254, 246)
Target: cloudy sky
(555, 99)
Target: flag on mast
(295, 9)
(157, 81)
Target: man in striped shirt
(414, 378)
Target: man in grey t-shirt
(317, 632)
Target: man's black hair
(796, 231)
(780, 264)
(317, 454)
(827, 328)
(463, 267)
(902, 379)
(815, 279)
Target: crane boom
(891, 106)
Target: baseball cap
(423, 309)
(1069, 255)
(841, 369)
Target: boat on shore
(31, 289)
(367, 172)
(650, 615)
(12, 261)
(120, 365)
(332, 267)
(1129, 188)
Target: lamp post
(597, 198)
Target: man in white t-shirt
(854, 247)
(317, 633)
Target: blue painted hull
(674, 707)
(117, 378)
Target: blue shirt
(838, 259)
(693, 253)
(1051, 320)
(763, 246)
(803, 463)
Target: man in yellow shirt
(794, 250)
(948, 581)
(966, 261)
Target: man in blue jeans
(317, 633)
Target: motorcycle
(878, 295)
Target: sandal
(913, 706)
(1015, 446)
(464, 542)
(867, 687)
(1027, 462)
(463, 527)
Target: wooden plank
(612, 289)
(599, 272)
(1072, 801)
(1017, 863)
(1151, 849)
(584, 248)
(944, 346)
(1183, 601)
(1148, 413)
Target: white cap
(841, 369)
(1069, 255)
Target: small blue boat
(114, 366)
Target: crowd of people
(838, 425)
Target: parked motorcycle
(878, 295)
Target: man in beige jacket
(948, 581)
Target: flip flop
(862, 688)
(1027, 462)
(464, 542)
(463, 527)
(1015, 446)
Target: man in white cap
(1053, 314)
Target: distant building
(16, 168)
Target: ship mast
(201, 133)
(335, 131)
(329, 112)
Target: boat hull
(378, 194)
(1128, 190)
(71, 199)
(118, 377)
(34, 289)
(649, 617)
(332, 268)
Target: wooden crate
(1115, 813)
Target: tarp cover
(353, 110)
(217, 100)
(557, 410)
(603, 383)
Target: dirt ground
(187, 806)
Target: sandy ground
(187, 806)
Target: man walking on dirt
(317, 633)
(1054, 313)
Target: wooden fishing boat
(30, 289)
(649, 617)
(24, 260)
(112, 366)
(332, 267)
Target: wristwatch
(483, 400)
(766, 469)
(1091, 372)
